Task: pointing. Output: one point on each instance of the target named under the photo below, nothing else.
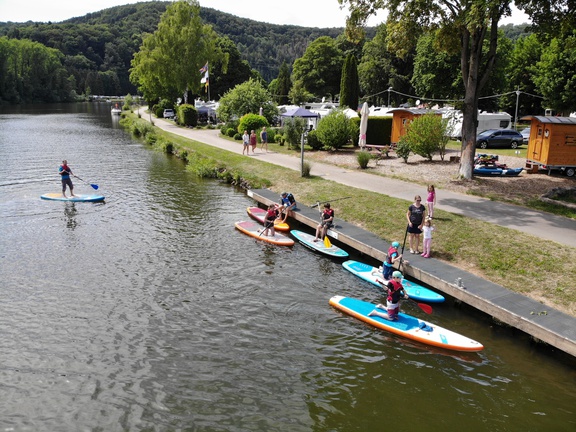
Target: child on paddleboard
(271, 215)
(391, 258)
(65, 172)
(395, 293)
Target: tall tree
(463, 25)
(283, 85)
(320, 67)
(168, 62)
(247, 98)
(349, 85)
(229, 70)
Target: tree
(349, 85)
(283, 85)
(168, 62)
(298, 94)
(320, 68)
(246, 98)
(555, 74)
(462, 25)
(375, 67)
(229, 70)
(334, 130)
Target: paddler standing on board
(271, 216)
(65, 173)
(395, 293)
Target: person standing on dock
(415, 216)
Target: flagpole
(208, 80)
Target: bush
(425, 134)
(230, 132)
(314, 141)
(334, 130)
(251, 122)
(294, 128)
(187, 115)
(403, 148)
(363, 157)
(238, 137)
(306, 168)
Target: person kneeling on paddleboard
(395, 293)
(271, 215)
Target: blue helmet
(395, 244)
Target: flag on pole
(204, 68)
(204, 78)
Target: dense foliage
(247, 98)
(349, 85)
(335, 130)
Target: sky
(308, 13)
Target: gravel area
(443, 174)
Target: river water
(150, 312)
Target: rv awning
(552, 119)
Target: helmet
(397, 274)
(395, 244)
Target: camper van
(486, 120)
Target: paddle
(403, 244)
(94, 186)
(324, 202)
(327, 242)
(426, 308)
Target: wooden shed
(401, 117)
(552, 144)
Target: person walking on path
(427, 241)
(431, 200)
(246, 143)
(65, 172)
(395, 293)
(415, 216)
(253, 141)
(264, 139)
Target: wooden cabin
(552, 144)
(401, 117)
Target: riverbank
(504, 256)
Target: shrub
(306, 168)
(238, 137)
(251, 122)
(334, 130)
(230, 132)
(187, 115)
(403, 148)
(294, 128)
(314, 141)
(363, 157)
(425, 135)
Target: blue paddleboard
(319, 246)
(373, 275)
(406, 326)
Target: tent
(302, 112)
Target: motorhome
(486, 120)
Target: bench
(383, 151)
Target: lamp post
(516, 115)
(389, 90)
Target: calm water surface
(150, 312)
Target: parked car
(525, 135)
(168, 113)
(506, 138)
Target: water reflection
(70, 213)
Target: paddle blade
(426, 308)
(94, 186)
(327, 242)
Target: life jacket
(328, 213)
(271, 215)
(65, 170)
(391, 251)
(394, 293)
(291, 198)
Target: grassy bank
(522, 263)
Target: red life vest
(394, 293)
(391, 251)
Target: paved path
(539, 224)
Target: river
(151, 312)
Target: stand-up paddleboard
(260, 214)
(254, 229)
(373, 275)
(319, 246)
(77, 198)
(406, 326)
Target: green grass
(507, 257)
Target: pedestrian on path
(253, 141)
(415, 216)
(431, 200)
(246, 142)
(264, 139)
